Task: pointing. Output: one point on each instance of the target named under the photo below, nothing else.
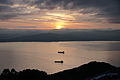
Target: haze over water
(41, 55)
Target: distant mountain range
(12, 35)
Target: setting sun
(59, 27)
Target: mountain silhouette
(91, 71)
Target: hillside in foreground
(91, 71)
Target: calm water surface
(41, 55)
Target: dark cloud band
(109, 9)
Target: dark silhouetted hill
(83, 72)
(90, 71)
(27, 74)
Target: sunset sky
(57, 14)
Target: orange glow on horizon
(59, 27)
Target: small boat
(61, 52)
(58, 61)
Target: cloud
(108, 10)
(5, 2)
(19, 27)
(10, 9)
